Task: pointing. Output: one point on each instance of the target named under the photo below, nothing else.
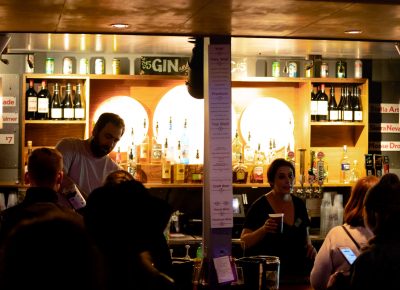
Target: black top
(290, 246)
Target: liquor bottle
(79, 111)
(156, 148)
(248, 151)
(341, 69)
(43, 102)
(332, 107)
(118, 158)
(237, 148)
(197, 169)
(257, 174)
(239, 172)
(31, 102)
(179, 166)
(171, 139)
(314, 105)
(322, 105)
(55, 107)
(131, 166)
(75, 198)
(185, 146)
(345, 167)
(166, 173)
(67, 106)
(144, 146)
(357, 109)
(347, 107)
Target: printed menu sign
(219, 110)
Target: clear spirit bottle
(345, 167)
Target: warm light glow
(98, 43)
(115, 43)
(268, 118)
(83, 42)
(353, 31)
(49, 41)
(66, 41)
(133, 114)
(120, 25)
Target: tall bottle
(345, 167)
(179, 166)
(347, 107)
(237, 148)
(79, 111)
(144, 146)
(357, 109)
(67, 106)
(322, 105)
(197, 169)
(332, 106)
(156, 148)
(314, 105)
(166, 173)
(31, 101)
(55, 107)
(248, 151)
(239, 172)
(43, 102)
(340, 105)
(185, 146)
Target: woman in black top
(260, 235)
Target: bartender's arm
(251, 238)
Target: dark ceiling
(259, 27)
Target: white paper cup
(278, 217)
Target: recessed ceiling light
(120, 25)
(353, 31)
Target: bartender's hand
(270, 226)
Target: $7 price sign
(6, 138)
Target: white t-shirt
(87, 171)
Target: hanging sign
(150, 65)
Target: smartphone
(348, 254)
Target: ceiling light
(120, 25)
(353, 31)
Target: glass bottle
(55, 107)
(237, 148)
(347, 107)
(166, 165)
(67, 106)
(29, 152)
(341, 69)
(322, 105)
(357, 109)
(179, 167)
(345, 167)
(239, 172)
(185, 147)
(332, 106)
(43, 102)
(31, 101)
(248, 151)
(79, 111)
(314, 104)
(144, 146)
(197, 169)
(156, 148)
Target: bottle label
(68, 113)
(180, 172)
(79, 113)
(56, 113)
(43, 105)
(32, 104)
(166, 170)
(240, 174)
(333, 115)
(156, 152)
(144, 149)
(345, 166)
(357, 115)
(347, 115)
(257, 176)
(322, 107)
(314, 107)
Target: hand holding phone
(348, 254)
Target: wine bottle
(55, 107)
(79, 111)
(31, 102)
(347, 107)
(322, 105)
(43, 102)
(314, 105)
(67, 106)
(332, 106)
(357, 109)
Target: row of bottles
(43, 105)
(324, 108)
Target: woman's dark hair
(353, 211)
(275, 165)
(382, 205)
(106, 118)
